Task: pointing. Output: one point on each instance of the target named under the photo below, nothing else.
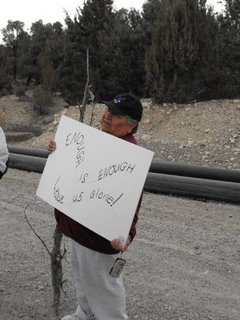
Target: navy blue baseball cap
(126, 105)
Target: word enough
(115, 168)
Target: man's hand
(51, 146)
(116, 244)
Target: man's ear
(132, 127)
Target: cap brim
(113, 108)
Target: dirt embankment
(204, 133)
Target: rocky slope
(204, 133)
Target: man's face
(117, 125)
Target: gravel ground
(183, 265)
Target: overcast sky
(29, 11)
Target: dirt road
(183, 265)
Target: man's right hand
(51, 146)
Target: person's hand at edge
(51, 146)
(116, 244)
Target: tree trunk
(56, 268)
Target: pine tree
(229, 50)
(180, 50)
(114, 40)
(124, 55)
(46, 53)
(12, 36)
(83, 32)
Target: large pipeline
(29, 151)
(186, 170)
(226, 191)
(25, 162)
(178, 169)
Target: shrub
(20, 92)
(42, 100)
(5, 84)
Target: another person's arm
(4, 154)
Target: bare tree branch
(56, 263)
(25, 215)
(86, 93)
(56, 268)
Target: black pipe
(28, 163)
(193, 187)
(195, 171)
(156, 182)
(178, 169)
(29, 151)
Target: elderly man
(101, 295)
(3, 153)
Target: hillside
(204, 133)
(184, 261)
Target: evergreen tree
(229, 50)
(83, 32)
(151, 9)
(180, 50)
(13, 35)
(114, 40)
(124, 55)
(5, 79)
(46, 53)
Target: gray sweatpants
(98, 293)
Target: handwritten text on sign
(95, 178)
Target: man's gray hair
(131, 121)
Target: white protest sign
(95, 178)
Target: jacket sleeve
(132, 232)
(4, 154)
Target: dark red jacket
(86, 237)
